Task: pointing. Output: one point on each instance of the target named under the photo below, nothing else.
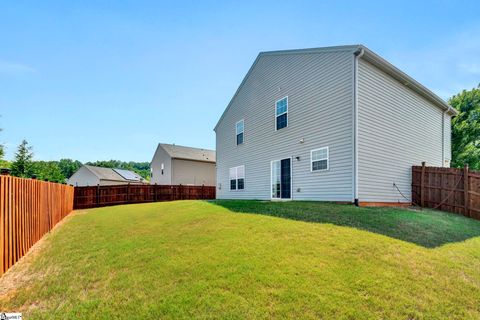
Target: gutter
(357, 55)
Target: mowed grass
(234, 260)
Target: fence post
(465, 190)
(422, 186)
(203, 192)
(155, 192)
(98, 195)
(128, 192)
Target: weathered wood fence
(28, 209)
(449, 189)
(99, 196)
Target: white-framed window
(237, 178)
(239, 130)
(281, 113)
(319, 159)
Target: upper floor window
(239, 129)
(281, 113)
(319, 159)
(237, 178)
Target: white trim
(356, 56)
(327, 158)
(291, 180)
(237, 133)
(278, 115)
(443, 138)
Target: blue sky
(99, 80)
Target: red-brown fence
(28, 209)
(449, 189)
(99, 196)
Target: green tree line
(24, 166)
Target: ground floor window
(319, 159)
(237, 178)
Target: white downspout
(443, 137)
(357, 55)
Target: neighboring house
(328, 124)
(92, 176)
(173, 165)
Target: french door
(281, 179)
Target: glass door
(281, 179)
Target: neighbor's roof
(188, 153)
(114, 174)
(368, 55)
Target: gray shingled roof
(111, 174)
(188, 153)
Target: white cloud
(14, 68)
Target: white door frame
(291, 180)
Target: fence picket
(99, 196)
(28, 209)
(450, 189)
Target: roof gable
(369, 56)
(188, 153)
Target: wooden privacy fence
(449, 189)
(99, 196)
(28, 209)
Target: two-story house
(328, 124)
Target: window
(281, 113)
(239, 129)
(163, 167)
(237, 178)
(319, 158)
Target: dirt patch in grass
(20, 275)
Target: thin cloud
(14, 68)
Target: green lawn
(248, 259)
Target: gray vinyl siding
(194, 173)
(161, 156)
(397, 128)
(83, 177)
(319, 87)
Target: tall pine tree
(22, 165)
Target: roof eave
(197, 160)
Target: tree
(48, 170)
(5, 164)
(466, 129)
(22, 165)
(141, 168)
(69, 167)
(2, 151)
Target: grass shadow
(428, 228)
